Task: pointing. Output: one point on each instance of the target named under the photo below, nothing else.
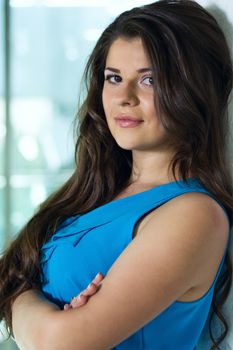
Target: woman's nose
(128, 95)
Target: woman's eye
(148, 81)
(113, 78)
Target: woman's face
(128, 92)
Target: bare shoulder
(204, 209)
(207, 229)
(194, 208)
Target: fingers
(67, 306)
(84, 296)
(93, 286)
(98, 278)
(80, 300)
(91, 289)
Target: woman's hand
(85, 295)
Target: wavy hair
(192, 71)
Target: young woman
(149, 204)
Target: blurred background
(44, 46)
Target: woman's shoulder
(199, 204)
(195, 208)
(203, 204)
(205, 224)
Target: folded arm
(33, 315)
(32, 319)
(161, 264)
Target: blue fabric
(88, 243)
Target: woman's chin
(127, 145)
(130, 146)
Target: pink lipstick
(128, 121)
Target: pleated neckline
(107, 211)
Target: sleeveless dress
(88, 243)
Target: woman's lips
(128, 123)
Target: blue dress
(88, 243)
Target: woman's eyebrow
(140, 70)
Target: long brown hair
(192, 71)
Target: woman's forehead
(127, 51)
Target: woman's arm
(32, 319)
(33, 315)
(160, 265)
